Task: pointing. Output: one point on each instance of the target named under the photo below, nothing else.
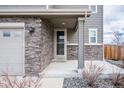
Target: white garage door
(12, 48)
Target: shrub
(118, 79)
(16, 82)
(91, 73)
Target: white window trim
(96, 30)
(92, 11)
(72, 43)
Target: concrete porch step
(60, 74)
(59, 60)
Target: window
(6, 34)
(92, 35)
(93, 8)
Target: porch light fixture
(31, 30)
(63, 23)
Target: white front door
(60, 44)
(12, 51)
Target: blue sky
(113, 21)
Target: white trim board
(72, 43)
(85, 44)
(12, 25)
(44, 12)
(93, 44)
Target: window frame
(91, 9)
(91, 29)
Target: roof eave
(53, 12)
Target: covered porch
(68, 36)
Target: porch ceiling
(64, 22)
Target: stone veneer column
(81, 42)
(38, 46)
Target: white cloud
(114, 26)
(113, 20)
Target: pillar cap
(82, 18)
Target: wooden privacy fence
(114, 52)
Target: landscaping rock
(81, 83)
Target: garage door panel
(15, 69)
(10, 69)
(3, 68)
(12, 51)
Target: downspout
(83, 39)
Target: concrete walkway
(52, 83)
(54, 74)
(61, 70)
(69, 69)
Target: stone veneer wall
(72, 52)
(38, 46)
(96, 51)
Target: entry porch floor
(54, 74)
(70, 69)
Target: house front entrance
(60, 36)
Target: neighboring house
(31, 37)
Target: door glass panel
(60, 42)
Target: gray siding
(95, 21)
(72, 36)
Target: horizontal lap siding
(94, 21)
(72, 36)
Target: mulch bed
(81, 83)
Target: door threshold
(59, 60)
